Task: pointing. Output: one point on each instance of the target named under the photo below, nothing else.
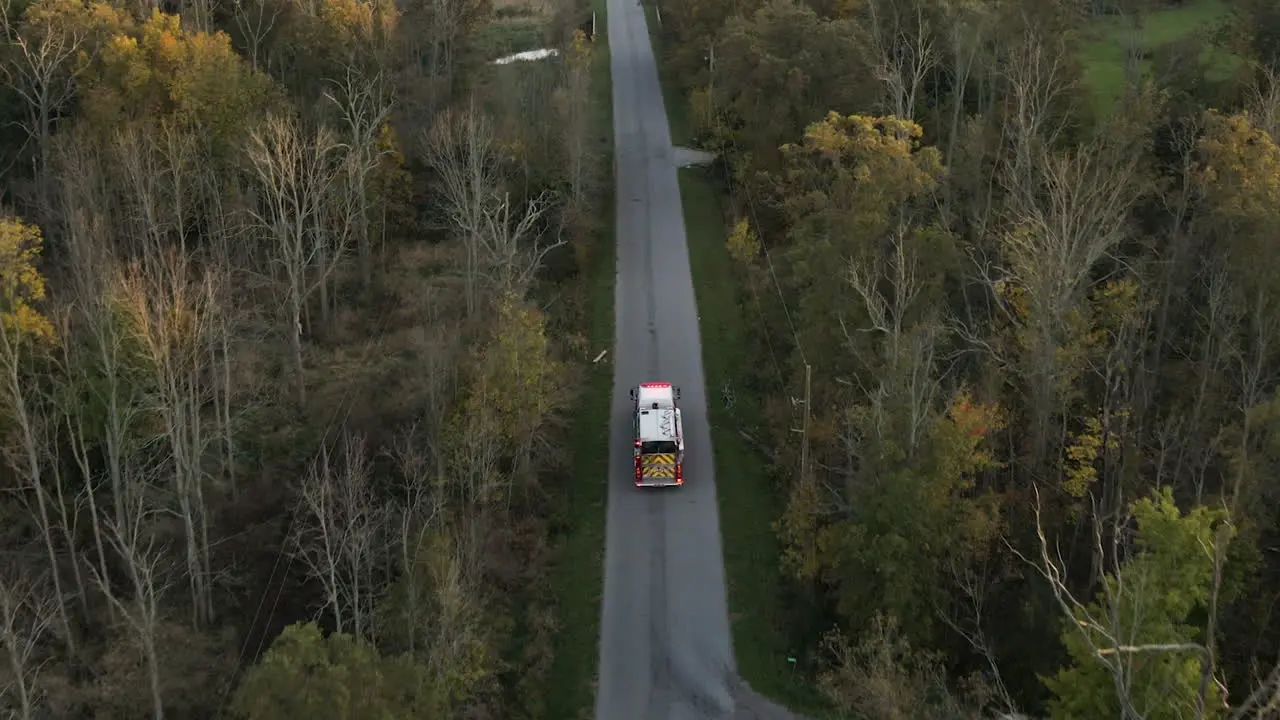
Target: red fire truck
(659, 435)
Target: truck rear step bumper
(658, 482)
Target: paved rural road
(665, 652)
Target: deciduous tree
(148, 573)
(27, 611)
(171, 312)
(364, 103)
(1135, 653)
(24, 335)
(296, 172)
(337, 535)
(305, 674)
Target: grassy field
(579, 572)
(1104, 53)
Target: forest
(1014, 333)
(290, 310)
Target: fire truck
(659, 435)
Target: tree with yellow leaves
(865, 249)
(166, 71)
(516, 392)
(23, 285)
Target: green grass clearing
(1103, 54)
(673, 95)
(579, 570)
(510, 35)
(748, 500)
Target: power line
(755, 221)
(755, 296)
(343, 408)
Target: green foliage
(1148, 601)
(909, 521)
(305, 674)
(883, 677)
(780, 70)
(432, 615)
(513, 392)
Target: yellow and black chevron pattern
(660, 465)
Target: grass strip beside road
(673, 94)
(747, 497)
(579, 570)
(749, 501)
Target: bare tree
(225, 230)
(907, 374)
(40, 67)
(173, 311)
(437, 28)
(295, 174)
(28, 455)
(337, 535)
(1264, 101)
(365, 104)
(198, 14)
(73, 417)
(142, 168)
(179, 161)
(66, 508)
(256, 19)
(966, 33)
(463, 150)
(510, 252)
(27, 609)
(973, 585)
(901, 56)
(413, 516)
(1035, 68)
(147, 572)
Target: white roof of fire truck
(656, 404)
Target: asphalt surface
(665, 649)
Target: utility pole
(711, 84)
(804, 426)
(804, 447)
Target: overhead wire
(759, 231)
(755, 296)
(344, 408)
